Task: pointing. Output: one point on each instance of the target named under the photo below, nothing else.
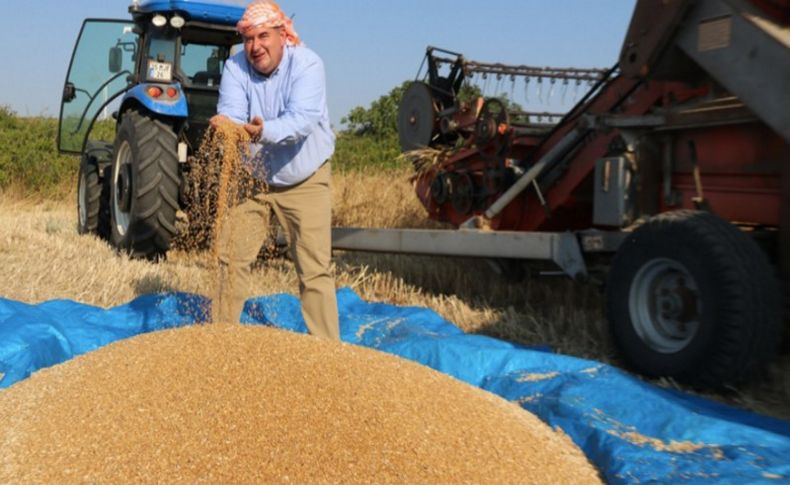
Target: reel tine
(512, 87)
(526, 91)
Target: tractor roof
(226, 12)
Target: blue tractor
(156, 80)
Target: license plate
(160, 71)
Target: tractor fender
(176, 108)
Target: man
(276, 89)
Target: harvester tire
(144, 186)
(692, 297)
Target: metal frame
(784, 234)
(563, 248)
(746, 52)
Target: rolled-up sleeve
(233, 100)
(304, 108)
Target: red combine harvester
(675, 168)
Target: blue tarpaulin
(632, 431)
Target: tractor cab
(185, 45)
(157, 77)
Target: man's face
(264, 48)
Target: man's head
(266, 31)
(264, 48)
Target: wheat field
(43, 258)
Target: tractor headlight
(177, 21)
(159, 20)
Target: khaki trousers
(305, 213)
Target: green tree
(381, 118)
(469, 93)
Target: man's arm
(233, 101)
(305, 106)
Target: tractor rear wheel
(144, 186)
(692, 297)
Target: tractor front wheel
(93, 195)
(144, 185)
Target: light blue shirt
(297, 137)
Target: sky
(368, 46)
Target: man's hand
(215, 120)
(255, 128)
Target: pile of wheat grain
(242, 404)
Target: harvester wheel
(692, 297)
(144, 185)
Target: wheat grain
(244, 404)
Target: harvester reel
(417, 117)
(492, 130)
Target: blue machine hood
(227, 12)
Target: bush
(29, 157)
(365, 152)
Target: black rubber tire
(151, 147)
(88, 198)
(740, 321)
(93, 212)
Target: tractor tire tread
(157, 188)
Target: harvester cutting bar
(504, 70)
(564, 248)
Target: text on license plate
(160, 71)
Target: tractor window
(161, 59)
(162, 50)
(103, 59)
(203, 64)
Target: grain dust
(591, 371)
(244, 404)
(660, 445)
(534, 377)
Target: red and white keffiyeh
(266, 13)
